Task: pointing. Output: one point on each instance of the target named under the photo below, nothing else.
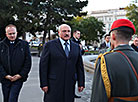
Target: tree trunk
(44, 36)
(24, 36)
(48, 34)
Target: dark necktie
(66, 49)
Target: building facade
(109, 16)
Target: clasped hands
(13, 78)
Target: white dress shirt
(63, 43)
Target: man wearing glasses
(15, 64)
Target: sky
(106, 4)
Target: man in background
(105, 46)
(75, 38)
(135, 44)
(106, 43)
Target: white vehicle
(34, 44)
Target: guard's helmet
(122, 23)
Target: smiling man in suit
(60, 60)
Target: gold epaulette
(104, 73)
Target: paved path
(31, 91)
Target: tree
(38, 15)
(58, 11)
(132, 14)
(16, 12)
(90, 27)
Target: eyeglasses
(11, 33)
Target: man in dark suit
(60, 60)
(106, 43)
(135, 44)
(75, 38)
(115, 77)
(105, 46)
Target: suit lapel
(60, 48)
(71, 48)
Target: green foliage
(132, 14)
(15, 12)
(90, 27)
(38, 15)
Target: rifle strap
(129, 63)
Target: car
(85, 48)
(36, 47)
(34, 44)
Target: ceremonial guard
(115, 77)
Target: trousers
(11, 90)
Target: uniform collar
(124, 47)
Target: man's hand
(15, 77)
(45, 89)
(80, 89)
(80, 46)
(8, 77)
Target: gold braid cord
(104, 74)
(105, 77)
(100, 55)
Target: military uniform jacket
(58, 71)
(134, 47)
(122, 79)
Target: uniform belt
(124, 98)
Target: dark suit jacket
(134, 47)
(122, 78)
(58, 71)
(78, 42)
(74, 40)
(102, 45)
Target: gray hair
(10, 26)
(59, 28)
